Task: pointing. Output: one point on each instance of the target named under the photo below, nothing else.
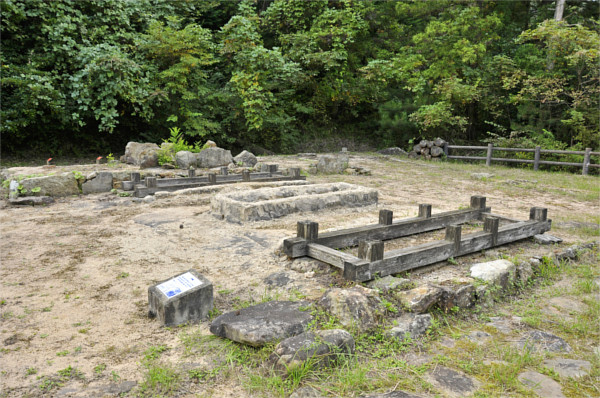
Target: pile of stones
(428, 150)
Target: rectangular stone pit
(269, 203)
(187, 297)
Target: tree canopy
(92, 74)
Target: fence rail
(536, 162)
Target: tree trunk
(560, 9)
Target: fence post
(586, 161)
(446, 150)
(488, 159)
(536, 158)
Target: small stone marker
(187, 297)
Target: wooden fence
(538, 151)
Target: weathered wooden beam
(350, 237)
(150, 182)
(135, 178)
(424, 211)
(453, 234)
(191, 172)
(308, 230)
(212, 178)
(386, 217)
(396, 261)
(370, 250)
(245, 175)
(490, 225)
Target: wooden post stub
(295, 172)
(370, 250)
(308, 230)
(135, 178)
(151, 182)
(446, 149)
(245, 175)
(538, 213)
(478, 202)
(264, 168)
(425, 210)
(273, 168)
(586, 161)
(536, 158)
(191, 172)
(386, 217)
(212, 178)
(453, 234)
(490, 225)
(224, 171)
(488, 158)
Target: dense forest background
(83, 76)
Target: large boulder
(141, 154)
(185, 159)
(245, 159)
(263, 323)
(333, 164)
(355, 308)
(214, 157)
(64, 184)
(321, 346)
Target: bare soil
(74, 275)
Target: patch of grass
(159, 380)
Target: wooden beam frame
(151, 185)
(373, 261)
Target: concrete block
(187, 297)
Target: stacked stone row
(428, 150)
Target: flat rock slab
(392, 394)
(542, 386)
(499, 272)
(412, 325)
(270, 203)
(389, 283)
(452, 383)
(102, 182)
(539, 341)
(420, 299)
(505, 325)
(546, 239)
(564, 305)
(63, 184)
(479, 337)
(306, 392)
(263, 323)
(355, 308)
(569, 367)
(32, 201)
(321, 347)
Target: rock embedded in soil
(389, 283)
(420, 299)
(102, 182)
(569, 367)
(355, 308)
(187, 297)
(452, 383)
(539, 341)
(263, 323)
(392, 394)
(306, 392)
(394, 151)
(63, 184)
(31, 201)
(542, 386)
(320, 348)
(546, 239)
(500, 273)
(411, 325)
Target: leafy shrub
(174, 144)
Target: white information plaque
(178, 285)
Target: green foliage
(277, 75)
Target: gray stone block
(187, 297)
(103, 182)
(263, 323)
(545, 239)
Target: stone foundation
(269, 203)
